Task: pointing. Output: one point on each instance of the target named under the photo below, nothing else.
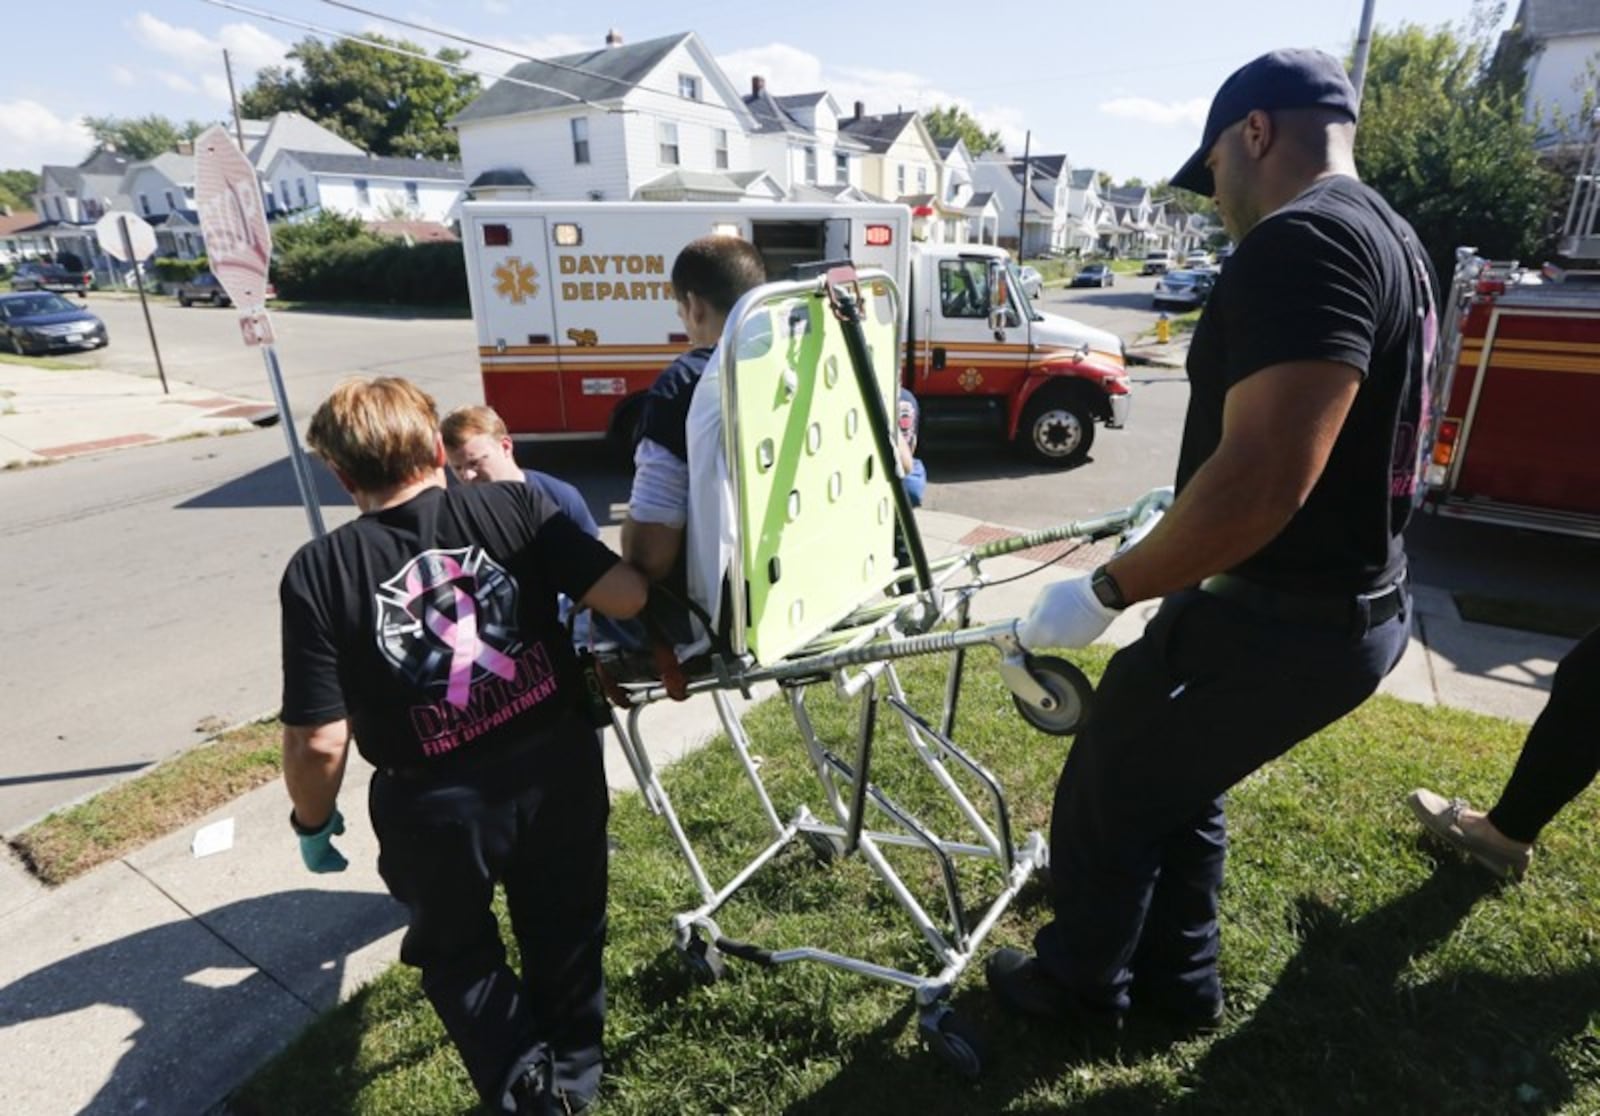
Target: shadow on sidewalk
(271, 486)
(199, 1029)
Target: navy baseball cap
(1280, 79)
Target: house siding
(1558, 78)
(540, 146)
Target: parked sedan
(1095, 275)
(43, 322)
(207, 288)
(1032, 281)
(36, 276)
(1184, 290)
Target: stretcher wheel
(951, 1039)
(824, 847)
(704, 960)
(1068, 685)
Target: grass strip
(1366, 971)
(1572, 621)
(164, 799)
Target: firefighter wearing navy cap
(1279, 566)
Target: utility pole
(1358, 65)
(238, 124)
(1022, 210)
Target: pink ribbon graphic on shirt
(459, 634)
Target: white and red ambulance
(575, 317)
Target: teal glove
(316, 845)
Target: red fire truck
(1517, 388)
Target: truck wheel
(1056, 429)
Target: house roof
(100, 175)
(801, 100)
(1557, 19)
(703, 182)
(176, 168)
(811, 192)
(377, 166)
(596, 75)
(1052, 165)
(290, 131)
(772, 116)
(980, 199)
(1128, 195)
(14, 222)
(1081, 178)
(915, 200)
(880, 132)
(501, 176)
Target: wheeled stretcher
(815, 595)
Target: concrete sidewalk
(159, 982)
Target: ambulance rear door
(511, 285)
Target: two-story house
(798, 142)
(901, 160)
(657, 118)
(371, 187)
(287, 131)
(1034, 225)
(966, 214)
(71, 199)
(1136, 220)
(1560, 41)
(1088, 214)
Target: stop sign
(232, 218)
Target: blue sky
(1121, 87)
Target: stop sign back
(232, 218)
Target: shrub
(366, 269)
(171, 269)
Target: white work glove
(1066, 614)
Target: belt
(1356, 613)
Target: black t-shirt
(1335, 275)
(666, 404)
(433, 626)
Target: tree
(1442, 137)
(140, 137)
(386, 103)
(952, 122)
(17, 188)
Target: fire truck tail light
(880, 236)
(1491, 286)
(567, 235)
(1444, 446)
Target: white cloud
(175, 81)
(1190, 113)
(248, 47)
(124, 76)
(32, 135)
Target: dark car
(35, 276)
(43, 322)
(1095, 275)
(1184, 290)
(203, 288)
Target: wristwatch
(1106, 590)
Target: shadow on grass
(1343, 1029)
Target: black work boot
(1023, 987)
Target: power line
(256, 13)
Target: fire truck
(575, 317)
(1517, 389)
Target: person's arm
(651, 548)
(1278, 430)
(620, 592)
(313, 769)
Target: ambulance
(576, 317)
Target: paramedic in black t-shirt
(1280, 560)
(427, 628)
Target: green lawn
(1366, 973)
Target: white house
(1043, 227)
(1137, 221)
(1562, 38)
(645, 119)
(370, 187)
(1087, 211)
(71, 199)
(287, 131)
(797, 141)
(966, 213)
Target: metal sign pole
(138, 278)
(297, 458)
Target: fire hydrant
(1163, 329)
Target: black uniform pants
(1562, 753)
(535, 822)
(1209, 693)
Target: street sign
(141, 237)
(232, 218)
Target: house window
(719, 147)
(300, 183)
(922, 180)
(580, 139)
(363, 194)
(144, 205)
(811, 164)
(283, 193)
(841, 169)
(667, 138)
(172, 205)
(689, 87)
(412, 198)
(900, 179)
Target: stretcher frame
(857, 655)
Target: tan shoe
(1442, 817)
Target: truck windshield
(1018, 295)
